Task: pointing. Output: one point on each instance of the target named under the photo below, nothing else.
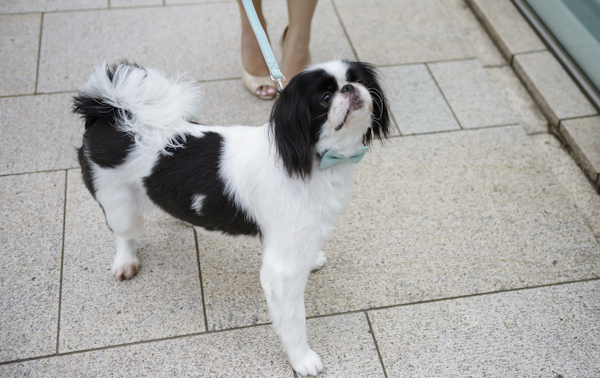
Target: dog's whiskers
(322, 115)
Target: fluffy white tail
(143, 102)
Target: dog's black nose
(348, 88)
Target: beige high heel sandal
(253, 83)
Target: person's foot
(295, 51)
(256, 76)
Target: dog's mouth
(355, 104)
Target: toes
(266, 91)
(309, 364)
(125, 271)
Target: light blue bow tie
(333, 156)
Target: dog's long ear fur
(380, 120)
(295, 126)
(293, 130)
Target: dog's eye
(326, 98)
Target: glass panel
(588, 12)
(576, 26)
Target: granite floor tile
(31, 230)
(19, 42)
(518, 99)
(506, 27)
(583, 136)
(162, 300)
(408, 31)
(38, 133)
(328, 40)
(416, 101)
(14, 6)
(546, 332)
(475, 35)
(202, 40)
(230, 275)
(450, 214)
(173, 39)
(251, 352)
(570, 176)
(240, 107)
(471, 95)
(134, 3)
(551, 87)
(432, 216)
(345, 345)
(170, 2)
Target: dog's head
(337, 105)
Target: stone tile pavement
(569, 113)
(470, 246)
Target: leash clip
(279, 82)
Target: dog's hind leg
(124, 210)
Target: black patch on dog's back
(193, 170)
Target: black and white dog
(284, 183)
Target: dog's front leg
(283, 277)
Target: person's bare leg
(252, 58)
(296, 41)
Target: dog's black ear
(292, 128)
(380, 120)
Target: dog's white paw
(319, 262)
(309, 364)
(125, 270)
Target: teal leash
(263, 42)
